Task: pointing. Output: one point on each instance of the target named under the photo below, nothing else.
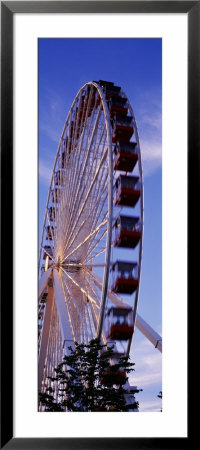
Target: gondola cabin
(47, 252)
(55, 195)
(50, 233)
(59, 177)
(114, 374)
(125, 156)
(44, 297)
(111, 376)
(127, 190)
(127, 231)
(124, 277)
(109, 89)
(122, 128)
(71, 129)
(119, 324)
(118, 106)
(51, 213)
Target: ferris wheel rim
(110, 196)
(109, 189)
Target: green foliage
(160, 396)
(86, 381)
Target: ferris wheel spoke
(69, 243)
(98, 215)
(69, 294)
(95, 232)
(68, 313)
(84, 291)
(91, 126)
(87, 195)
(67, 150)
(73, 310)
(91, 250)
(97, 211)
(98, 202)
(92, 288)
(95, 255)
(79, 166)
(77, 304)
(69, 220)
(77, 209)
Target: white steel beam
(149, 333)
(64, 318)
(45, 336)
(44, 281)
(140, 323)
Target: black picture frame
(8, 9)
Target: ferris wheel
(91, 244)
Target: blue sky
(136, 65)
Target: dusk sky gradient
(136, 65)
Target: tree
(86, 380)
(160, 396)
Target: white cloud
(151, 152)
(148, 362)
(147, 375)
(149, 120)
(52, 118)
(152, 377)
(153, 120)
(150, 406)
(45, 172)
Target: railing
(125, 121)
(126, 147)
(128, 183)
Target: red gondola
(118, 106)
(125, 277)
(119, 324)
(122, 128)
(125, 156)
(127, 190)
(127, 231)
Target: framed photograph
(97, 79)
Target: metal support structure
(149, 333)
(45, 336)
(62, 308)
(79, 212)
(44, 281)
